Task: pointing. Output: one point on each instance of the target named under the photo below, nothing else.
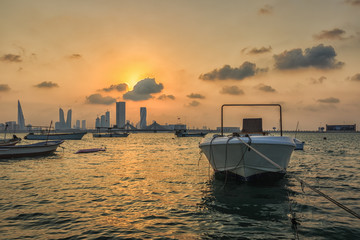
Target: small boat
(90, 150)
(184, 133)
(29, 150)
(55, 136)
(10, 142)
(242, 154)
(110, 135)
(299, 145)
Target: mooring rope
(302, 182)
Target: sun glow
(132, 73)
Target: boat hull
(56, 136)
(30, 150)
(109, 135)
(230, 155)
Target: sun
(132, 73)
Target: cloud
(165, 97)
(320, 80)
(194, 104)
(231, 90)
(119, 87)
(265, 88)
(356, 77)
(195, 95)
(10, 58)
(335, 34)
(261, 50)
(247, 69)
(329, 100)
(143, 90)
(4, 88)
(75, 56)
(46, 85)
(267, 9)
(321, 57)
(353, 2)
(99, 99)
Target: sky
(181, 60)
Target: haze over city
(180, 59)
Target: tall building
(77, 126)
(142, 117)
(68, 119)
(97, 122)
(107, 119)
(61, 118)
(120, 114)
(83, 124)
(102, 121)
(21, 119)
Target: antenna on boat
(47, 137)
(249, 105)
(296, 130)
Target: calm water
(156, 186)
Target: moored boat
(29, 150)
(90, 150)
(299, 145)
(251, 154)
(184, 133)
(55, 136)
(110, 135)
(10, 142)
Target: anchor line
(303, 183)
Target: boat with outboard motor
(29, 150)
(10, 142)
(244, 154)
(185, 133)
(55, 136)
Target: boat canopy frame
(249, 105)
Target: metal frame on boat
(238, 154)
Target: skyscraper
(120, 114)
(68, 119)
(83, 124)
(97, 123)
(107, 119)
(21, 119)
(61, 118)
(142, 117)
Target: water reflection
(257, 201)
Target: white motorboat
(29, 150)
(251, 154)
(55, 136)
(299, 145)
(184, 133)
(10, 142)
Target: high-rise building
(102, 121)
(21, 119)
(142, 117)
(77, 126)
(97, 122)
(120, 114)
(107, 119)
(68, 119)
(83, 124)
(61, 118)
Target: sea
(158, 186)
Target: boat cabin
(252, 126)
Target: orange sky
(181, 59)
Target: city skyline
(181, 59)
